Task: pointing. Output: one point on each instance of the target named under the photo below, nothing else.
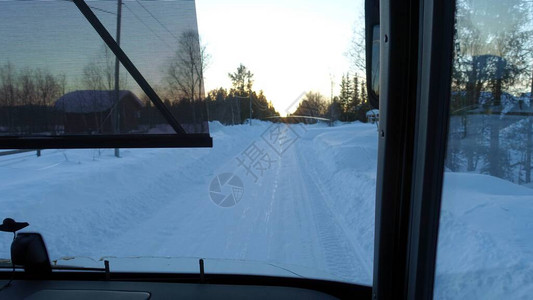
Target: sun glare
(290, 48)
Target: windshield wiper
(81, 268)
(6, 264)
(77, 268)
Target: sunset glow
(291, 47)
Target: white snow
(155, 202)
(485, 240)
(310, 213)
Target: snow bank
(485, 247)
(346, 159)
(311, 213)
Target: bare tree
(27, 87)
(357, 53)
(92, 77)
(26, 97)
(8, 87)
(99, 73)
(186, 68)
(312, 105)
(48, 87)
(8, 94)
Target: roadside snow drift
(305, 208)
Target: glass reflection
(485, 244)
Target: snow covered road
(285, 218)
(308, 212)
(155, 202)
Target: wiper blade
(6, 264)
(76, 268)
(285, 269)
(56, 265)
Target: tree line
(184, 92)
(228, 106)
(233, 106)
(351, 104)
(27, 97)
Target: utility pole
(331, 78)
(250, 98)
(116, 128)
(529, 139)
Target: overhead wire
(146, 25)
(136, 16)
(156, 19)
(102, 10)
(260, 105)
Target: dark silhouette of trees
(184, 80)
(185, 71)
(229, 108)
(313, 105)
(241, 80)
(26, 100)
(99, 73)
(351, 103)
(232, 106)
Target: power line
(146, 25)
(135, 15)
(162, 25)
(95, 8)
(102, 10)
(260, 105)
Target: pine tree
(343, 97)
(242, 81)
(349, 92)
(356, 100)
(346, 95)
(364, 98)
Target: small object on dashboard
(10, 225)
(107, 274)
(28, 250)
(202, 274)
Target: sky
(291, 47)
(54, 36)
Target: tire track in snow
(297, 219)
(344, 257)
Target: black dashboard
(102, 290)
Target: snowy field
(307, 211)
(485, 239)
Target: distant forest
(28, 96)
